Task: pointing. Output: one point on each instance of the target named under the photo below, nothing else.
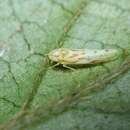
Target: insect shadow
(75, 67)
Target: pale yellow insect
(68, 57)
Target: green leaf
(35, 96)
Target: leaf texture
(35, 96)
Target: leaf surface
(31, 92)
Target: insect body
(66, 56)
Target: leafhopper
(68, 57)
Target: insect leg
(53, 66)
(68, 67)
